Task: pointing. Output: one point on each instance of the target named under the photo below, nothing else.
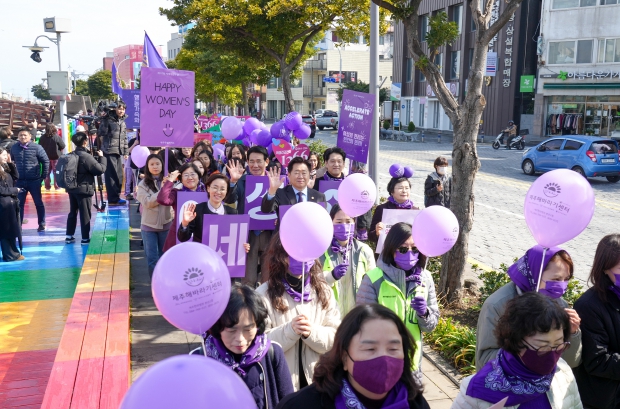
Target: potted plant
(409, 133)
(386, 128)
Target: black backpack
(67, 170)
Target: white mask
(442, 170)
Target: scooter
(518, 142)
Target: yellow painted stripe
(121, 272)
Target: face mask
(343, 232)
(406, 261)
(378, 375)
(442, 170)
(541, 364)
(554, 289)
(297, 267)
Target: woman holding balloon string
(557, 267)
(346, 261)
(189, 175)
(401, 283)
(238, 341)
(303, 315)
(399, 188)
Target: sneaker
(69, 239)
(25, 221)
(20, 258)
(41, 228)
(85, 241)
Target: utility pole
(373, 154)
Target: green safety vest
(328, 266)
(390, 296)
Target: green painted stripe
(30, 285)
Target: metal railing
(315, 91)
(315, 65)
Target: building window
(471, 57)
(421, 118)
(571, 52)
(565, 4)
(273, 83)
(472, 24)
(457, 16)
(422, 77)
(380, 79)
(409, 69)
(381, 40)
(455, 62)
(423, 27)
(439, 60)
(609, 50)
(606, 2)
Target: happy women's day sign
(166, 107)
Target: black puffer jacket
(53, 146)
(433, 197)
(88, 168)
(32, 163)
(7, 143)
(113, 134)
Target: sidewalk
(154, 339)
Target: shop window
(565, 4)
(571, 145)
(584, 51)
(423, 27)
(455, 62)
(457, 16)
(609, 50)
(409, 69)
(606, 2)
(570, 52)
(554, 144)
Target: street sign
(527, 83)
(329, 79)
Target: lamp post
(340, 72)
(373, 154)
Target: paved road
(499, 233)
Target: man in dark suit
(297, 191)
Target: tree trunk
(244, 94)
(215, 107)
(285, 73)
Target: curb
(443, 365)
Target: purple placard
(355, 124)
(183, 198)
(131, 97)
(226, 236)
(330, 189)
(255, 188)
(167, 107)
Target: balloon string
(204, 346)
(542, 263)
(303, 286)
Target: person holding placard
(399, 188)
(334, 166)
(524, 274)
(533, 332)
(303, 315)
(346, 261)
(401, 283)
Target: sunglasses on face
(405, 249)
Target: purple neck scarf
(296, 295)
(199, 188)
(505, 376)
(524, 273)
(407, 204)
(397, 398)
(415, 276)
(344, 250)
(327, 176)
(24, 146)
(215, 349)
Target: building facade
(128, 60)
(578, 87)
(516, 57)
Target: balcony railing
(315, 91)
(319, 65)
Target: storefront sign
(506, 80)
(491, 68)
(527, 83)
(395, 91)
(584, 74)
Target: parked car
(329, 119)
(318, 112)
(590, 156)
(309, 119)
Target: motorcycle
(518, 142)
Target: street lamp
(340, 73)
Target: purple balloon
(276, 129)
(357, 194)
(303, 132)
(263, 126)
(179, 382)
(250, 125)
(559, 205)
(435, 231)
(264, 138)
(270, 149)
(246, 142)
(407, 172)
(241, 135)
(254, 136)
(318, 229)
(139, 154)
(397, 171)
(293, 121)
(231, 128)
(285, 136)
(219, 151)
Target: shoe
(85, 241)
(41, 228)
(70, 239)
(20, 258)
(119, 203)
(129, 197)
(25, 221)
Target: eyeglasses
(405, 249)
(190, 176)
(543, 350)
(403, 189)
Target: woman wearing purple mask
(366, 366)
(346, 261)
(401, 284)
(533, 333)
(303, 315)
(557, 270)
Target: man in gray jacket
(113, 138)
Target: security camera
(36, 48)
(36, 57)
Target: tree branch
(309, 33)
(263, 46)
(500, 22)
(388, 6)
(302, 50)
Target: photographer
(113, 135)
(81, 198)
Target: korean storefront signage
(527, 83)
(506, 79)
(582, 74)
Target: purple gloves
(419, 306)
(339, 271)
(362, 234)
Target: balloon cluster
(398, 171)
(254, 132)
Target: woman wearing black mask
(533, 333)
(366, 366)
(303, 315)
(401, 284)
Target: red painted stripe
(87, 389)
(60, 386)
(24, 376)
(115, 381)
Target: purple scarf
(24, 146)
(415, 276)
(397, 398)
(507, 376)
(295, 295)
(407, 204)
(524, 273)
(199, 188)
(344, 250)
(327, 176)
(215, 349)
